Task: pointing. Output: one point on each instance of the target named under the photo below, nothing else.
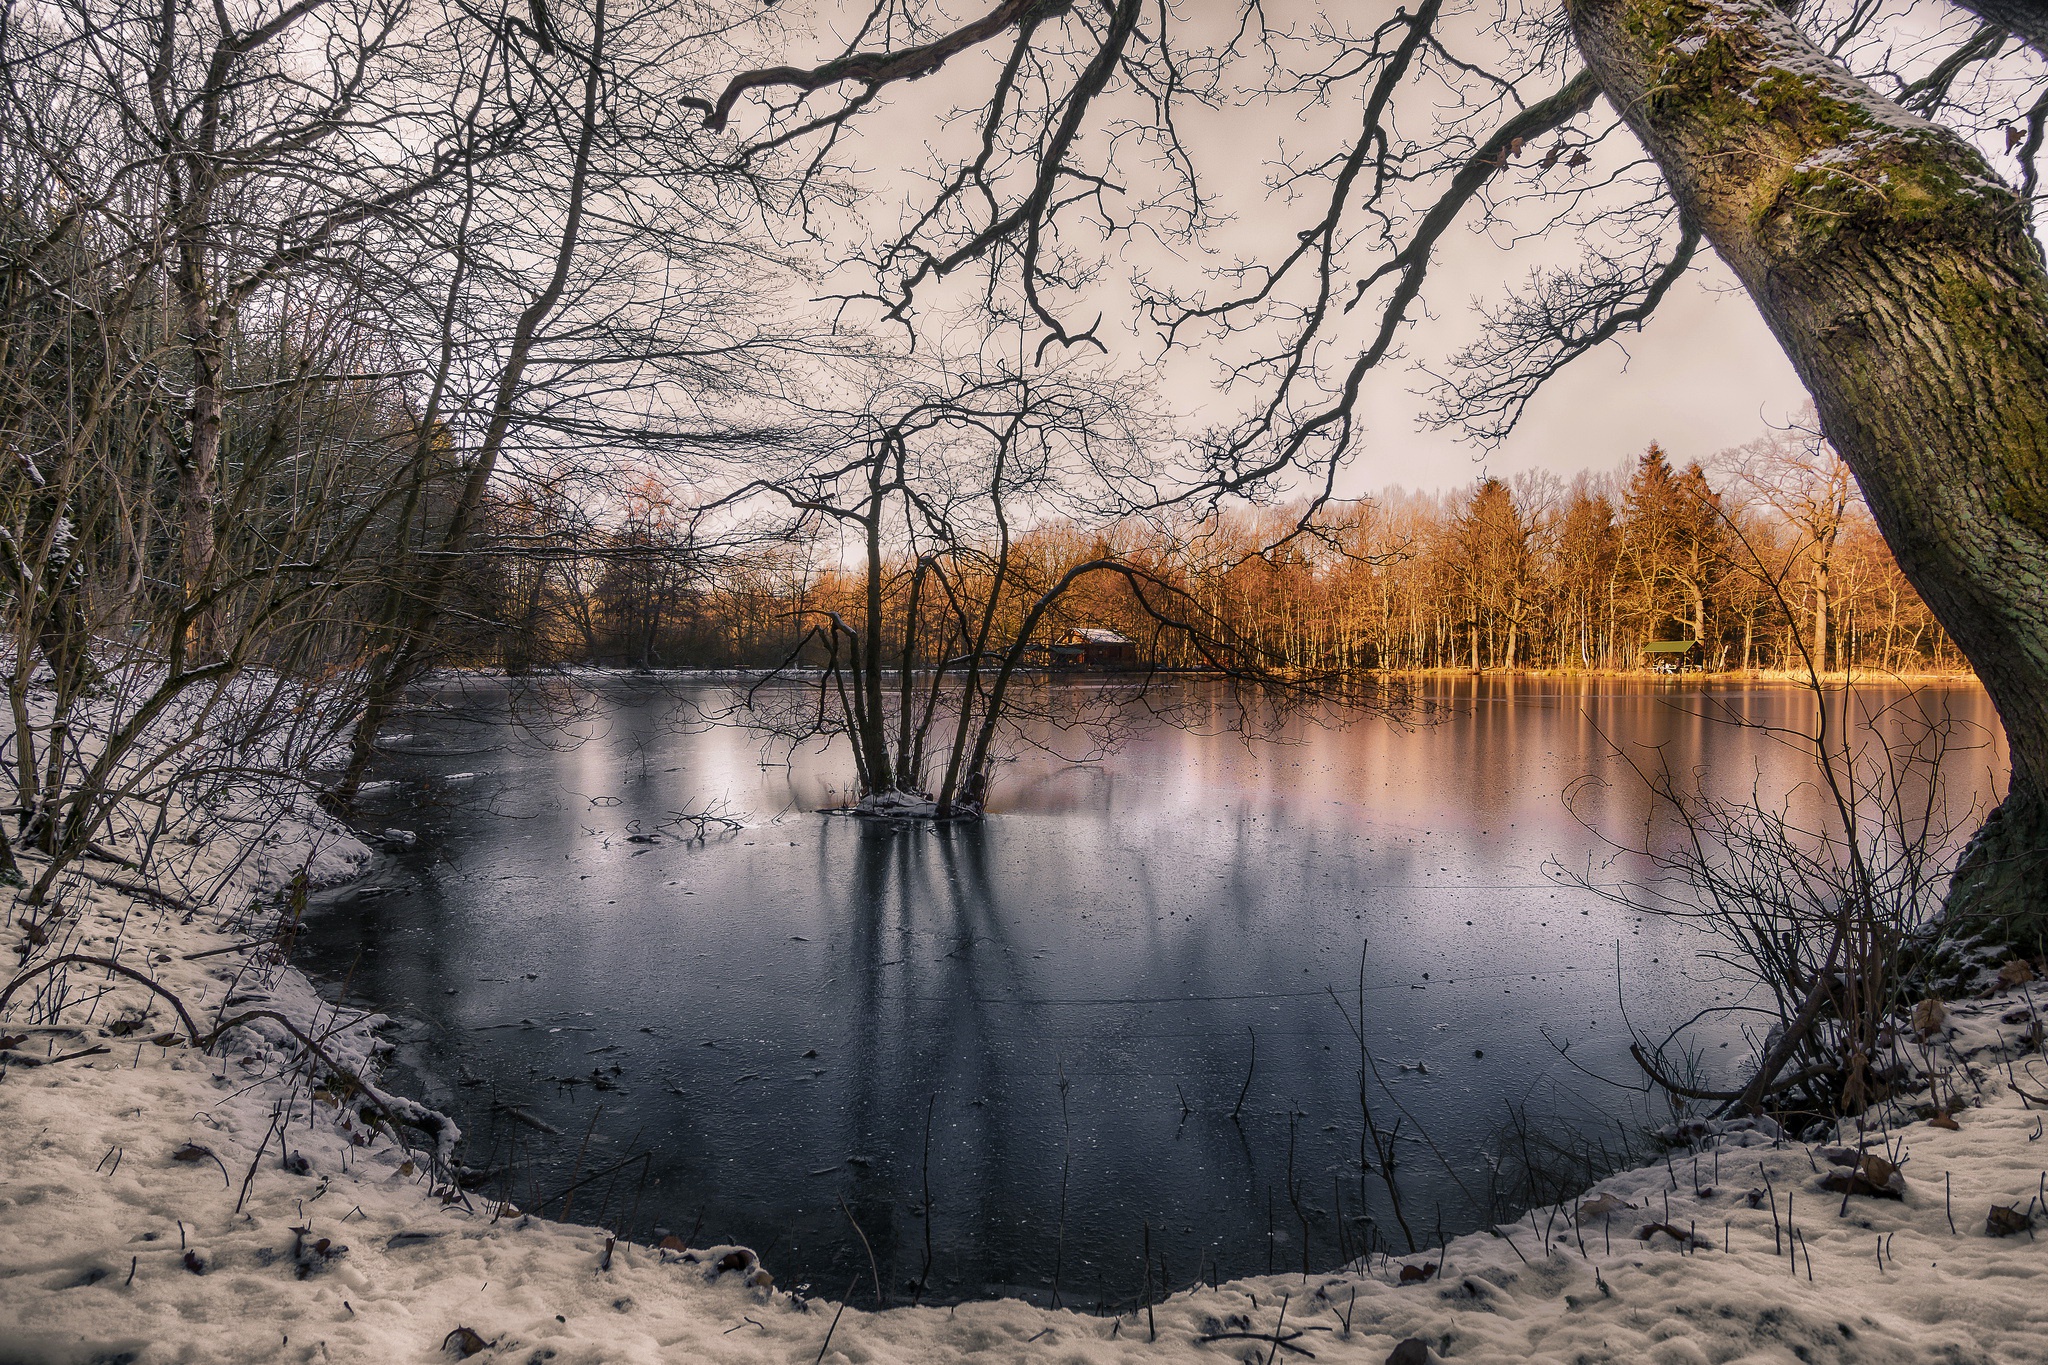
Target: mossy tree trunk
(1896, 270)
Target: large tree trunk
(1895, 269)
(2026, 20)
(199, 463)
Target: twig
(238, 947)
(924, 1276)
(1151, 1328)
(1279, 1326)
(1279, 1343)
(1250, 1067)
(835, 1318)
(250, 1178)
(89, 960)
(1059, 1251)
(577, 1169)
(27, 1060)
(148, 893)
(873, 1269)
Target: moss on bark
(1897, 271)
(1997, 894)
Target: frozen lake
(1070, 990)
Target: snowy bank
(903, 805)
(164, 1203)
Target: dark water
(1072, 987)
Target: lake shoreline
(1830, 679)
(329, 1239)
(1120, 924)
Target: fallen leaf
(1600, 1205)
(193, 1151)
(466, 1342)
(2017, 972)
(1871, 1175)
(2005, 1221)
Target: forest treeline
(1771, 561)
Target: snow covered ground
(164, 1203)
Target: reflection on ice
(1071, 990)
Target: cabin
(1093, 647)
(1672, 656)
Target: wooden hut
(1672, 656)
(1093, 647)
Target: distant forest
(1767, 556)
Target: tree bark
(1895, 269)
(198, 471)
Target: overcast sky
(1703, 376)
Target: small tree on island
(984, 509)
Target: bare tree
(982, 506)
(608, 301)
(1801, 479)
(291, 288)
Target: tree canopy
(1837, 158)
